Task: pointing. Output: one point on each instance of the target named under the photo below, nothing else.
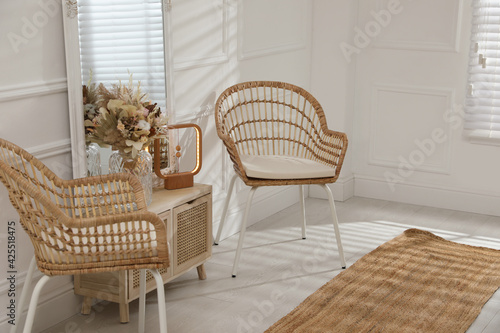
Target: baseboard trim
(20, 280)
(428, 195)
(62, 298)
(342, 189)
(265, 204)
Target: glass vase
(140, 166)
(93, 153)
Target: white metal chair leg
(33, 303)
(24, 294)
(161, 300)
(243, 229)
(142, 300)
(224, 209)
(335, 224)
(303, 208)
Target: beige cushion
(284, 167)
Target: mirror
(114, 41)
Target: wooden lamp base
(176, 181)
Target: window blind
(483, 98)
(122, 37)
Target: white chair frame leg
(228, 198)
(161, 300)
(243, 229)
(335, 224)
(303, 208)
(33, 303)
(142, 299)
(24, 294)
(247, 212)
(224, 209)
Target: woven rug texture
(417, 282)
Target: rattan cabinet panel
(187, 214)
(189, 231)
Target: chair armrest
(335, 135)
(234, 155)
(112, 233)
(331, 148)
(93, 222)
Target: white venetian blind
(118, 37)
(483, 98)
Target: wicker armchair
(81, 226)
(276, 134)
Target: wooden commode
(187, 212)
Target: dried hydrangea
(125, 119)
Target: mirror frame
(74, 82)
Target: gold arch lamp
(181, 179)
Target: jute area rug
(417, 282)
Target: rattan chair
(87, 225)
(276, 134)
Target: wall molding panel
(288, 41)
(51, 149)
(216, 54)
(391, 36)
(381, 153)
(200, 62)
(193, 115)
(31, 90)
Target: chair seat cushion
(284, 167)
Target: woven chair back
(270, 118)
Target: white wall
(216, 43)
(410, 87)
(391, 81)
(332, 80)
(33, 114)
(239, 41)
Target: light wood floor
(278, 269)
